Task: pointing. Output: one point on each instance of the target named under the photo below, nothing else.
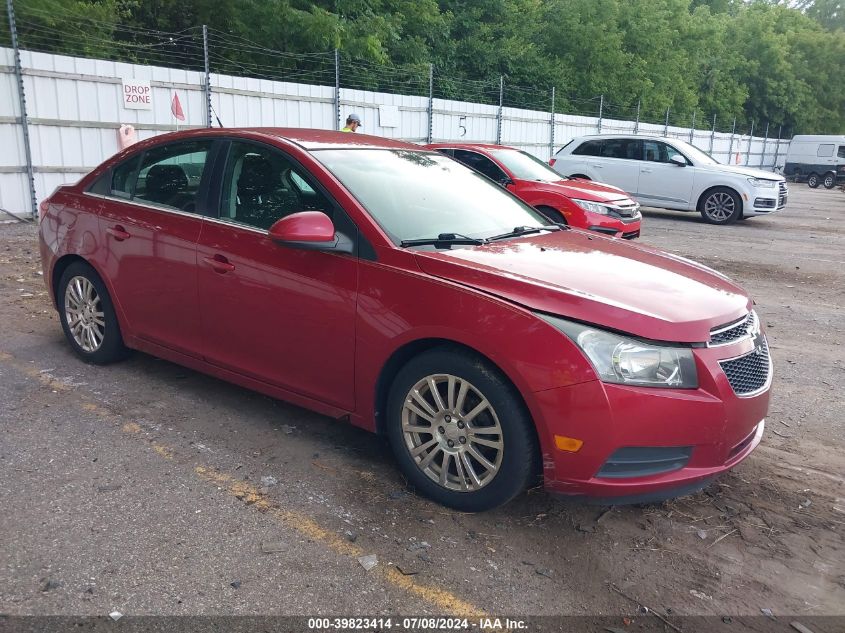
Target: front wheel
(721, 206)
(553, 215)
(829, 181)
(87, 315)
(459, 431)
(813, 181)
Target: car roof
(309, 138)
(460, 145)
(655, 137)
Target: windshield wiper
(519, 231)
(446, 239)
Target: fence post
(552, 127)
(666, 125)
(748, 149)
(601, 107)
(501, 104)
(731, 146)
(30, 172)
(207, 76)
(336, 89)
(765, 140)
(777, 148)
(712, 135)
(637, 122)
(692, 129)
(430, 101)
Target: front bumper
(765, 201)
(614, 227)
(718, 428)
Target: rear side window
(621, 148)
(589, 148)
(118, 181)
(825, 150)
(170, 175)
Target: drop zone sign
(137, 94)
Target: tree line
(777, 61)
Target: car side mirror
(678, 160)
(309, 230)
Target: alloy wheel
(452, 433)
(719, 206)
(84, 314)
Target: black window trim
(202, 189)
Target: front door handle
(118, 233)
(220, 264)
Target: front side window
(525, 166)
(261, 185)
(123, 178)
(841, 153)
(657, 152)
(825, 150)
(170, 175)
(480, 163)
(419, 194)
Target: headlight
(629, 361)
(593, 207)
(763, 184)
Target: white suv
(669, 173)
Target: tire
(829, 181)
(720, 205)
(512, 460)
(553, 215)
(95, 334)
(813, 181)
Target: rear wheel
(459, 431)
(813, 181)
(829, 181)
(87, 315)
(553, 215)
(720, 206)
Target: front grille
(749, 374)
(626, 209)
(725, 334)
(781, 194)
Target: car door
(281, 315)
(150, 218)
(619, 163)
(663, 183)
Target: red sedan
(381, 283)
(580, 203)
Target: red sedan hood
(608, 282)
(582, 190)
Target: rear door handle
(646, 171)
(118, 233)
(220, 264)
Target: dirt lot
(143, 487)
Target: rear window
(589, 148)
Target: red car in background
(387, 285)
(579, 203)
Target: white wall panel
(74, 118)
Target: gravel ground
(143, 486)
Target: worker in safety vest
(353, 122)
